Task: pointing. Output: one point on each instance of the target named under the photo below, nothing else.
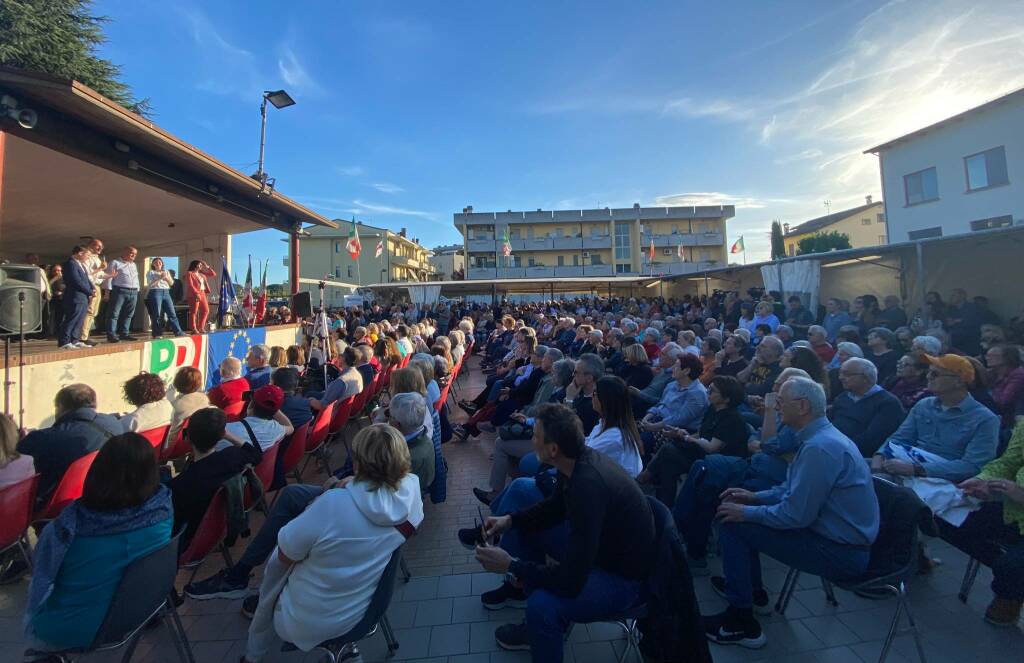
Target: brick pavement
(438, 617)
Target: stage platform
(32, 385)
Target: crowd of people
(730, 418)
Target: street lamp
(280, 99)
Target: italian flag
(353, 246)
(737, 246)
(380, 249)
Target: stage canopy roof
(89, 167)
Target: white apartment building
(594, 242)
(960, 175)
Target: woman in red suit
(196, 289)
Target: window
(994, 222)
(792, 250)
(595, 259)
(926, 233)
(882, 239)
(350, 271)
(337, 272)
(666, 252)
(865, 222)
(986, 169)
(881, 217)
(561, 261)
(705, 255)
(921, 187)
(622, 241)
(559, 233)
(531, 262)
(575, 260)
(675, 228)
(337, 247)
(623, 268)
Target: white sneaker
(69, 346)
(82, 345)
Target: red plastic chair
(208, 537)
(179, 447)
(68, 490)
(296, 449)
(342, 414)
(264, 473)
(235, 411)
(16, 502)
(316, 443)
(156, 436)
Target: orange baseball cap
(955, 364)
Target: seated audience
(406, 412)
(616, 434)
(14, 466)
(295, 357)
(734, 357)
(821, 520)
(957, 434)
(77, 430)
(911, 383)
(367, 371)
(232, 385)
(682, 404)
(264, 425)
(636, 367)
(864, 412)
(644, 398)
(994, 534)
(882, 352)
(709, 350)
(1006, 376)
(152, 409)
(258, 369)
(124, 514)
(598, 527)
(836, 317)
(818, 338)
(193, 488)
(892, 317)
(346, 385)
(722, 431)
(325, 561)
(294, 406)
(278, 358)
(188, 397)
(759, 376)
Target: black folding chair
(143, 594)
(373, 617)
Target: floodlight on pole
(280, 99)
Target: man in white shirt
(264, 423)
(96, 268)
(124, 294)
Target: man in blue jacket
(78, 288)
(864, 412)
(821, 520)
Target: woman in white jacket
(319, 580)
(616, 435)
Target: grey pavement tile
(449, 640)
(433, 612)
(603, 631)
(483, 657)
(484, 582)
(468, 609)
(510, 657)
(594, 652)
(418, 589)
(412, 642)
(831, 631)
(790, 637)
(403, 614)
(455, 585)
(832, 655)
(481, 637)
(870, 651)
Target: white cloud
(294, 74)
(805, 155)
(224, 68)
(400, 211)
(387, 187)
(717, 108)
(768, 130)
(711, 198)
(351, 171)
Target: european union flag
(227, 293)
(230, 343)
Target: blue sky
(408, 111)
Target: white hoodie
(344, 540)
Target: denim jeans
(76, 307)
(159, 304)
(289, 505)
(518, 495)
(986, 537)
(122, 310)
(802, 549)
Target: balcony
(412, 263)
(480, 245)
(511, 273)
(570, 271)
(540, 272)
(592, 242)
(686, 239)
(481, 273)
(568, 243)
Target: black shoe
(732, 627)
(513, 637)
(110, 339)
(14, 571)
(761, 604)
(249, 605)
(482, 495)
(217, 587)
(470, 538)
(469, 407)
(91, 344)
(506, 596)
(127, 337)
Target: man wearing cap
(957, 434)
(264, 424)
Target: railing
(686, 239)
(480, 244)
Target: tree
(60, 37)
(823, 242)
(778, 246)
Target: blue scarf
(77, 520)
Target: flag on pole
(353, 246)
(227, 293)
(380, 249)
(261, 301)
(681, 251)
(650, 253)
(506, 248)
(737, 246)
(247, 292)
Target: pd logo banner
(164, 356)
(230, 343)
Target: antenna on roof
(828, 207)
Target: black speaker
(302, 305)
(16, 317)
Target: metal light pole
(280, 99)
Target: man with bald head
(232, 385)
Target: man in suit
(78, 289)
